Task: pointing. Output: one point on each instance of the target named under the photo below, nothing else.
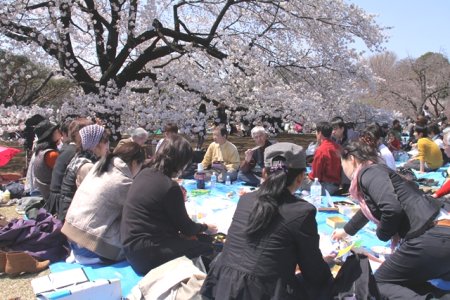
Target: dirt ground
(20, 287)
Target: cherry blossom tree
(149, 62)
(23, 82)
(13, 117)
(411, 83)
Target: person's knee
(241, 176)
(233, 175)
(248, 178)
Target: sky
(419, 26)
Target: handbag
(355, 280)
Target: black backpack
(355, 280)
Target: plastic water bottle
(316, 193)
(200, 177)
(228, 180)
(213, 180)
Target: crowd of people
(125, 204)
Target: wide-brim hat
(291, 154)
(45, 129)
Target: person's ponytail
(270, 198)
(128, 152)
(266, 206)
(103, 164)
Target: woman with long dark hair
(93, 219)
(272, 232)
(154, 221)
(404, 215)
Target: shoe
(2, 262)
(19, 262)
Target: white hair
(258, 129)
(139, 132)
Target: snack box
(346, 208)
(336, 222)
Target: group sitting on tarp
(106, 207)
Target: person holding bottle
(418, 224)
(221, 157)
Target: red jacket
(444, 190)
(327, 163)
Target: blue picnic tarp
(222, 197)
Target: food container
(336, 222)
(348, 211)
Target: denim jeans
(249, 178)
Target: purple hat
(90, 136)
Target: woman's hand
(329, 259)
(339, 234)
(212, 229)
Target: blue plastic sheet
(129, 278)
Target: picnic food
(199, 192)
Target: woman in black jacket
(272, 232)
(155, 226)
(404, 215)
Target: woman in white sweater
(93, 219)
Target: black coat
(265, 269)
(398, 203)
(154, 211)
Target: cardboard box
(336, 222)
(73, 285)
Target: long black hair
(270, 198)
(173, 156)
(128, 152)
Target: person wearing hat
(92, 145)
(272, 232)
(45, 155)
